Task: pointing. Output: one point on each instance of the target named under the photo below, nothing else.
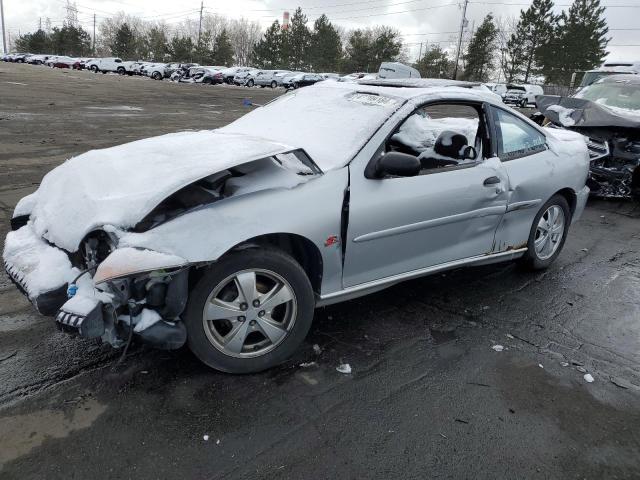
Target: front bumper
(43, 272)
(39, 270)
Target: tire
(274, 84)
(534, 259)
(295, 86)
(250, 83)
(94, 68)
(156, 76)
(243, 353)
(121, 71)
(523, 104)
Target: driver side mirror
(396, 164)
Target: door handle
(488, 182)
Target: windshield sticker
(371, 99)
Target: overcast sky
(418, 20)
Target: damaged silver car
(227, 240)
(607, 112)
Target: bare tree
(244, 34)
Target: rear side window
(516, 138)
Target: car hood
(118, 186)
(573, 112)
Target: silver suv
(269, 78)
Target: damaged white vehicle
(227, 240)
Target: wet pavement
(428, 396)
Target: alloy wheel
(249, 313)
(549, 232)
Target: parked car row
(211, 74)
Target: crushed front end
(101, 292)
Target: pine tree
(156, 44)
(266, 53)
(481, 51)
(222, 49)
(366, 49)
(295, 43)
(579, 42)
(357, 51)
(203, 52)
(70, 40)
(124, 44)
(386, 45)
(435, 63)
(326, 47)
(181, 49)
(526, 45)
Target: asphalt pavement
(431, 394)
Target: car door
(530, 166)
(446, 213)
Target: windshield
(590, 78)
(615, 95)
(330, 123)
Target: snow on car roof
(332, 121)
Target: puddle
(19, 434)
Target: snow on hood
(120, 185)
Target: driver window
(442, 136)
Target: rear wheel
(250, 311)
(548, 233)
(523, 103)
(156, 76)
(250, 83)
(274, 84)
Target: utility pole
(200, 27)
(40, 24)
(93, 50)
(420, 53)
(4, 34)
(462, 25)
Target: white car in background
(397, 70)
(522, 95)
(155, 70)
(110, 64)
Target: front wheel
(523, 104)
(274, 84)
(94, 68)
(121, 71)
(250, 311)
(250, 83)
(548, 234)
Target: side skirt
(382, 283)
